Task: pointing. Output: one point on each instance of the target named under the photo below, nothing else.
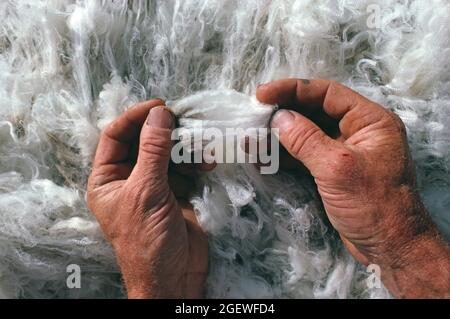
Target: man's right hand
(358, 154)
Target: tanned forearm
(423, 271)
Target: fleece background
(67, 68)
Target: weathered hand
(160, 248)
(358, 154)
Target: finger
(303, 139)
(287, 162)
(323, 96)
(115, 141)
(151, 170)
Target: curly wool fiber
(70, 67)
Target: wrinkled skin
(160, 248)
(357, 153)
(355, 150)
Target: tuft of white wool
(69, 67)
(221, 109)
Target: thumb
(303, 139)
(151, 170)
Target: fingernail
(282, 120)
(160, 117)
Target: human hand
(159, 246)
(358, 154)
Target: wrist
(188, 286)
(422, 271)
(138, 288)
(144, 290)
(408, 227)
(415, 262)
(138, 294)
(413, 258)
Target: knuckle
(335, 89)
(108, 129)
(303, 139)
(333, 86)
(395, 123)
(339, 94)
(155, 146)
(332, 91)
(399, 123)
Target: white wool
(222, 109)
(69, 67)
